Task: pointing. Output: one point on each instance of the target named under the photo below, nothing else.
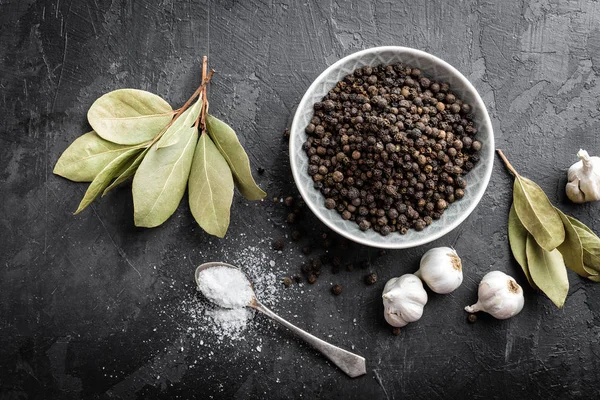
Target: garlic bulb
(584, 179)
(499, 295)
(403, 300)
(441, 270)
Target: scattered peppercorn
(472, 318)
(371, 279)
(278, 244)
(291, 218)
(296, 235)
(306, 250)
(286, 133)
(336, 289)
(286, 281)
(396, 331)
(312, 278)
(289, 201)
(260, 170)
(388, 148)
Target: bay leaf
(572, 249)
(228, 144)
(210, 188)
(127, 173)
(517, 237)
(548, 271)
(160, 180)
(581, 225)
(102, 180)
(186, 119)
(86, 157)
(537, 214)
(591, 246)
(591, 249)
(129, 116)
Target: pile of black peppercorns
(388, 148)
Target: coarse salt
(225, 286)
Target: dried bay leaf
(210, 188)
(160, 180)
(591, 246)
(102, 180)
(517, 237)
(186, 119)
(86, 157)
(226, 140)
(548, 271)
(572, 248)
(129, 116)
(537, 214)
(127, 173)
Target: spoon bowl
(353, 365)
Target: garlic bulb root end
(473, 309)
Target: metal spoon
(353, 365)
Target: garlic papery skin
(584, 179)
(499, 295)
(441, 270)
(403, 300)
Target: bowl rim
(450, 226)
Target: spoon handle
(353, 365)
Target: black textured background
(82, 296)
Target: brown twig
(507, 163)
(204, 99)
(201, 89)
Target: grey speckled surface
(90, 306)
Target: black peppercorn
(330, 203)
(364, 225)
(441, 204)
(336, 289)
(296, 235)
(287, 282)
(371, 279)
(278, 244)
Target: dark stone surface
(90, 306)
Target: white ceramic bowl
(431, 67)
